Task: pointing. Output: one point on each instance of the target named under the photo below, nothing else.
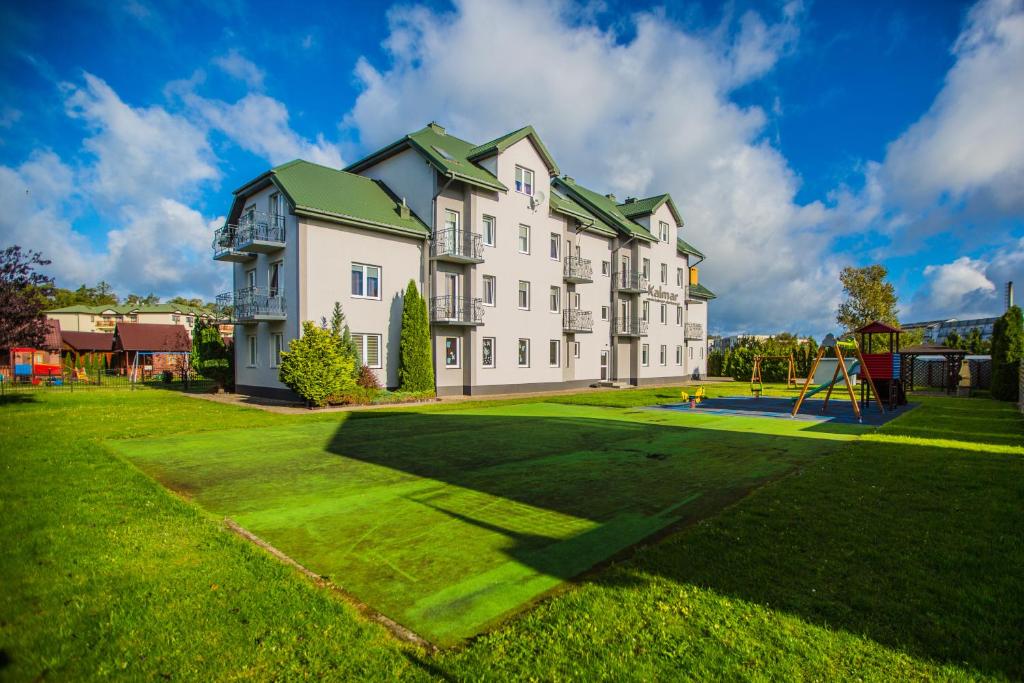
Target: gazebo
(954, 358)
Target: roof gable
(566, 206)
(150, 337)
(500, 144)
(632, 208)
(684, 247)
(702, 292)
(604, 207)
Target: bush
(416, 367)
(367, 379)
(1007, 349)
(314, 366)
(211, 357)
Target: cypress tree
(348, 347)
(1007, 349)
(415, 369)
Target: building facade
(533, 282)
(104, 319)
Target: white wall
(408, 175)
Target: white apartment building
(533, 282)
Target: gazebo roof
(932, 350)
(877, 327)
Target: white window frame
(691, 352)
(458, 353)
(645, 355)
(493, 222)
(519, 243)
(519, 346)
(679, 315)
(494, 289)
(604, 313)
(645, 268)
(679, 355)
(276, 347)
(646, 311)
(250, 277)
(519, 292)
(522, 173)
(555, 245)
(663, 354)
(663, 312)
(606, 268)
(362, 341)
(556, 346)
(664, 273)
(679, 277)
(494, 350)
(576, 300)
(253, 348)
(663, 228)
(575, 349)
(452, 220)
(555, 297)
(365, 279)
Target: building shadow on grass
(914, 547)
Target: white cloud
(639, 116)
(237, 66)
(969, 287)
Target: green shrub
(211, 357)
(1007, 350)
(416, 367)
(314, 366)
(367, 379)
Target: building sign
(660, 294)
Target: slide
(853, 369)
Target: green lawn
(446, 522)
(898, 555)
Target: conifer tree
(416, 369)
(1007, 349)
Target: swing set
(757, 384)
(857, 367)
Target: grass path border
(397, 630)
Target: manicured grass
(446, 522)
(898, 556)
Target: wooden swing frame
(840, 366)
(755, 375)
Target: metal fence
(173, 380)
(933, 373)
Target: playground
(779, 407)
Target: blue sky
(796, 137)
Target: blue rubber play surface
(781, 408)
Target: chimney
(436, 127)
(569, 179)
(630, 200)
(403, 209)
(610, 196)
(1009, 294)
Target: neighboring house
(936, 331)
(87, 347)
(148, 348)
(105, 318)
(533, 281)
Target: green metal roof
(605, 208)
(684, 247)
(322, 192)
(701, 291)
(447, 153)
(645, 207)
(502, 143)
(565, 205)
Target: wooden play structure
(858, 366)
(756, 382)
(884, 363)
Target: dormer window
(524, 180)
(664, 230)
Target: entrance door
(604, 365)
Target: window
(276, 207)
(274, 278)
(663, 230)
(664, 273)
(663, 356)
(452, 357)
(487, 352)
(664, 314)
(276, 347)
(555, 246)
(575, 349)
(524, 353)
(679, 277)
(554, 353)
(524, 180)
(606, 267)
(524, 239)
(174, 318)
(253, 358)
(645, 355)
(451, 220)
(524, 295)
(250, 278)
(679, 315)
(647, 311)
(555, 299)
(679, 355)
(490, 286)
(647, 269)
(576, 300)
(369, 349)
(365, 281)
(490, 231)
(702, 352)
(691, 353)
(604, 313)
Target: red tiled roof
(52, 342)
(146, 337)
(877, 327)
(88, 341)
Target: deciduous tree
(23, 296)
(868, 297)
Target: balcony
(577, 270)
(457, 246)
(630, 282)
(253, 305)
(456, 310)
(629, 327)
(260, 232)
(574, 321)
(225, 243)
(694, 331)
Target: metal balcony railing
(255, 231)
(456, 310)
(694, 331)
(577, 321)
(460, 246)
(577, 269)
(253, 304)
(629, 327)
(629, 281)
